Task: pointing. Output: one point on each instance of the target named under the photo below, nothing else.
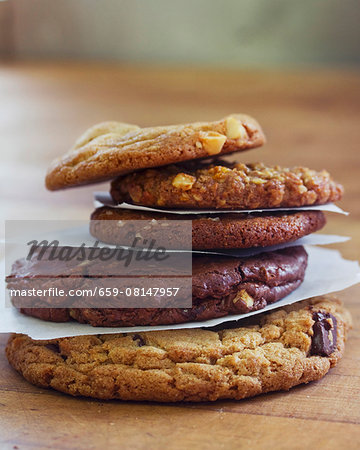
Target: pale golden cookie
(290, 346)
(113, 148)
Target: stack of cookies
(176, 173)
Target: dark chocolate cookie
(220, 286)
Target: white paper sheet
(311, 239)
(104, 199)
(327, 272)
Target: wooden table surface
(310, 118)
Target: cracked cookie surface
(111, 149)
(226, 231)
(226, 186)
(277, 351)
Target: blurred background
(68, 64)
(235, 33)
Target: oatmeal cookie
(226, 186)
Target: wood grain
(310, 118)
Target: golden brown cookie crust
(111, 149)
(225, 231)
(226, 186)
(188, 364)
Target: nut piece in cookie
(212, 142)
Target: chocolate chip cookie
(224, 231)
(220, 286)
(113, 148)
(226, 186)
(288, 347)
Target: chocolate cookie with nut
(220, 286)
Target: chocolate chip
(139, 339)
(324, 337)
(55, 349)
